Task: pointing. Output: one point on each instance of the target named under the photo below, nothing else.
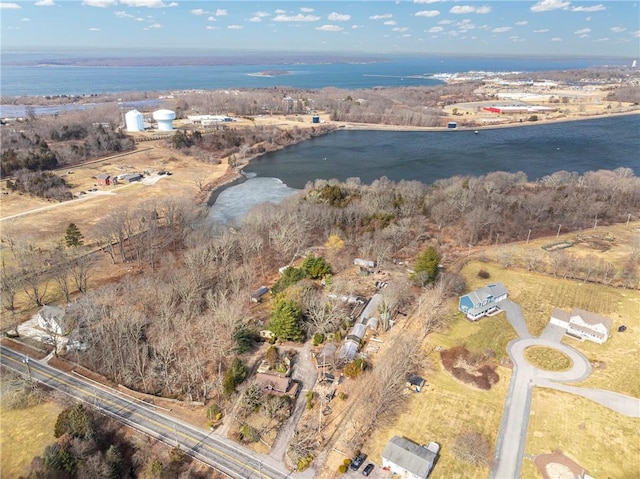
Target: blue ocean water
(394, 71)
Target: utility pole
(528, 236)
(558, 234)
(628, 218)
(26, 361)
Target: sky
(545, 27)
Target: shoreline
(234, 175)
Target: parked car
(357, 461)
(367, 470)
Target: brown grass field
(605, 443)
(24, 434)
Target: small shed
(104, 179)
(257, 295)
(452, 125)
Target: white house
(408, 459)
(52, 319)
(582, 324)
(483, 301)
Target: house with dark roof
(408, 459)
(278, 384)
(582, 324)
(483, 301)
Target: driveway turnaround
(512, 436)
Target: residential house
(278, 384)
(483, 301)
(582, 324)
(408, 459)
(52, 319)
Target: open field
(24, 433)
(605, 443)
(443, 411)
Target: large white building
(582, 324)
(164, 118)
(408, 460)
(134, 120)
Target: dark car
(367, 470)
(357, 462)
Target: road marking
(117, 406)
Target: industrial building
(134, 120)
(164, 119)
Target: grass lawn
(24, 433)
(605, 443)
(538, 294)
(441, 412)
(548, 359)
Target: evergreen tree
(73, 236)
(425, 268)
(286, 320)
(112, 463)
(315, 267)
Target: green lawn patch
(549, 359)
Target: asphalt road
(223, 455)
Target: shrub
(355, 368)
(318, 338)
(483, 274)
(347, 462)
(342, 469)
(343, 396)
(315, 267)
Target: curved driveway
(515, 418)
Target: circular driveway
(580, 369)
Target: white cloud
(307, 10)
(636, 34)
(255, 19)
(153, 26)
(592, 8)
(210, 27)
(502, 29)
(582, 31)
(147, 3)
(234, 27)
(25, 19)
(428, 1)
(94, 29)
(445, 22)
(200, 11)
(483, 10)
(296, 18)
(522, 22)
(338, 17)
(617, 29)
(547, 5)
(401, 29)
(261, 14)
(427, 13)
(280, 11)
(99, 3)
(221, 12)
(390, 22)
(123, 14)
(330, 28)
(435, 30)
(603, 39)
(355, 27)
(542, 30)
(462, 9)
(211, 19)
(556, 39)
(406, 35)
(45, 3)
(380, 17)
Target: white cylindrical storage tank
(164, 118)
(134, 121)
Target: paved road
(512, 436)
(235, 461)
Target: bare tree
(474, 448)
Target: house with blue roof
(483, 301)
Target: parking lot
(377, 473)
